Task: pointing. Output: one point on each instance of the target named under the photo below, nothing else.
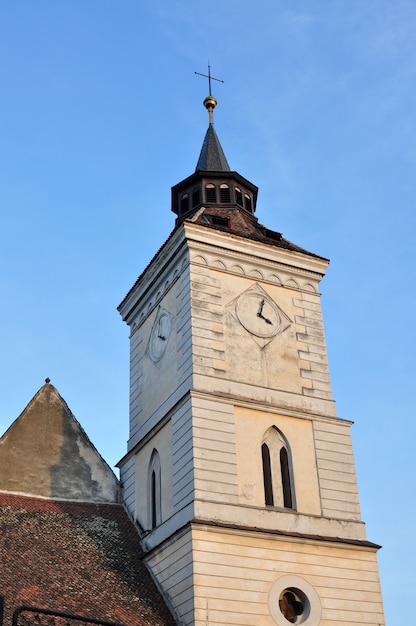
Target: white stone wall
(128, 484)
(221, 577)
(251, 425)
(335, 460)
(214, 449)
(157, 384)
(234, 573)
(172, 567)
(182, 456)
(316, 371)
(227, 359)
(228, 471)
(162, 443)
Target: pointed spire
(213, 185)
(212, 157)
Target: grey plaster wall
(45, 452)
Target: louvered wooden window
(184, 203)
(210, 193)
(247, 203)
(196, 197)
(238, 196)
(225, 195)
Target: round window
(294, 605)
(292, 600)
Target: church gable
(45, 452)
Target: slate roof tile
(80, 558)
(212, 157)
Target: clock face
(160, 336)
(258, 314)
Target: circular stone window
(292, 600)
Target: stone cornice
(236, 248)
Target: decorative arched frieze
(309, 287)
(256, 274)
(200, 260)
(292, 283)
(274, 278)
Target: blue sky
(101, 113)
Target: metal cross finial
(210, 78)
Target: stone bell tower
(239, 473)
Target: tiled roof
(239, 223)
(79, 558)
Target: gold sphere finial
(210, 103)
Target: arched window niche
(184, 203)
(239, 196)
(248, 205)
(277, 470)
(210, 193)
(154, 497)
(225, 194)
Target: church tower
(239, 474)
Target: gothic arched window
(267, 475)
(154, 499)
(277, 470)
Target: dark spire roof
(213, 182)
(212, 157)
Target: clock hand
(260, 311)
(159, 331)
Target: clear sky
(101, 113)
